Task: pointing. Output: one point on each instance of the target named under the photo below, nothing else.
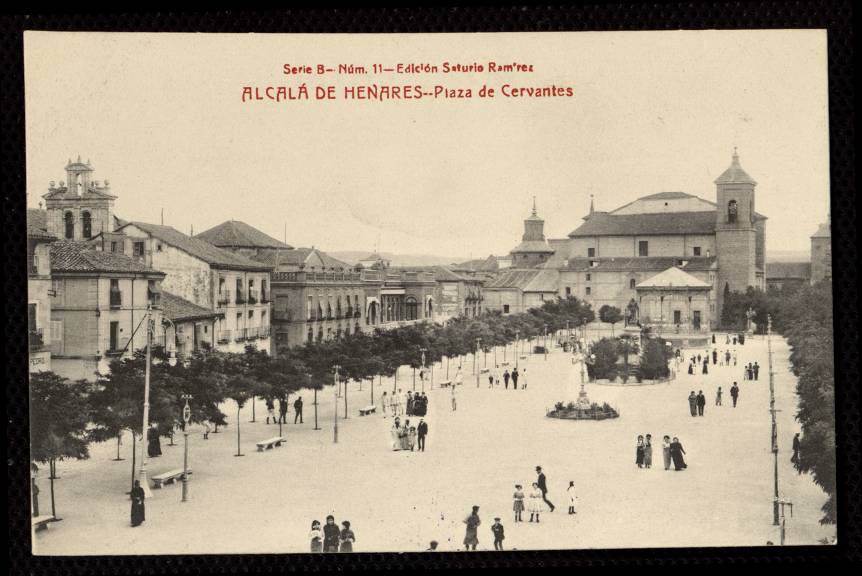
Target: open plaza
(265, 502)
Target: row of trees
(805, 318)
(610, 358)
(66, 416)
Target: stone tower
(534, 248)
(79, 208)
(821, 253)
(736, 230)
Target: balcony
(223, 300)
(36, 339)
(252, 299)
(240, 335)
(224, 337)
(263, 331)
(357, 314)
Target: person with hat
(542, 482)
(518, 504)
(499, 536)
(471, 537)
(346, 538)
(331, 535)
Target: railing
(265, 299)
(224, 337)
(114, 352)
(264, 331)
(240, 299)
(223, 300)
(36, 339)
(304, 277)
(357, 314)
(252, 299)
(116, 299)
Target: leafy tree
(654, 360)
(610, 315)
(59, 414)
(603, 361)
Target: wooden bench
(367, 410)
(269, 443)
(484, 370)
(445, 383)
(168, 477)
(41, 522)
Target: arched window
(69, 223)
(86, 225)
(732, 211)
(632, 283)
(412, 308)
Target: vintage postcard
(298, 293)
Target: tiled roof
(236, 234)
(69, 256)
(299, 258)
(444, 274)
(179, 309)
(604, 224)
(666, 196)
(513, 279)
(489, 264)
(212, 255)
(532, 246)
(780, 270)
(674, 278)
(544, 281)
(36, 233)
(642, 264)
(67, 194)
(37, 217)
(735, 174)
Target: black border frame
(834, 15)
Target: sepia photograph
(455, 292)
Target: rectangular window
(505, 308)
(138, 249)
(114, 344)
(250, 315)
(116, 297)
(56, 330)
(589, 290)
(696, 250)
(114, 246)
(643, 248)
(568, 290)
(677, 317)
(591, 252)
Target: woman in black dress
(639, 452)
(676, 452)
(137, 504)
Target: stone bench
(484, 370)
(269, 443)
(168, 477)
(41, 522)
(367, 410)
(445, 383)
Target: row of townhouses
(94, 277)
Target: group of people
(514, 377)
(672, 452)
(409, 437)
(752, 371)
(471, 538)
(282, 410)
(330, 538)
(537, 498)
(410, 404)
(719, 358)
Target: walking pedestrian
(154, 445)
(572, 498)
(515, 379)
(718, 396)
(282, 410)
(676, 453)
(524, 379)
(490, 380)
(499, 536)
(692, 403)
(138, 511)
(665, 452)
(756, 370)
(535, 504)
(346, 538)
(795, 457)
(701, 402)
(409, 403)
(384, 400)
(316, 537)
(518, 502)
(270, 410)
(639, 452)
(714, 357)
(471, 536)
(331, 535)
(421, 433)
(542, 482)
(648, 451)
(411, 438)
(506, 377)
(297, 410)
(706, 366)
(454, 403)
(734, 393)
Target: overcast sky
(161, 117)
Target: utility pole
(335, 428)
(475, 357)
(422, 373)
(783, 504)
(187, 415)
(517, 347)
(145, 430)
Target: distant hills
(354, 256)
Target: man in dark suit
(542, 482)
(515, 379)
(421, 432)
(701, 403)
(297, 409)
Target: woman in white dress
(535, 503)
(385, 402)
(395, 432)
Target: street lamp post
(772, 409)
(187, 415)
(142, 477)
(517, 347)
(475, 357)
(335, 429)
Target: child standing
(497, 529)
(571, 492)
(518, 505)
(346, 538)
